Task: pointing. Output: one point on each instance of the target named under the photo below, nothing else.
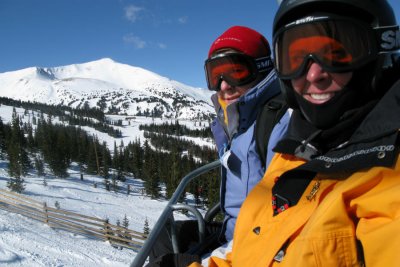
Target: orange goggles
(338, 45)
(237, 69)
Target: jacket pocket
(335, 249)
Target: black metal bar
(144, 252)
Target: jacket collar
(383, 120)
(375, 143)
(374, 135)
(243, 112)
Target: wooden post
(46, 220)
(107, 228)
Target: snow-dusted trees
(151, 173)
(161, 161)
(18, 158)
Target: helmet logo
(264, 63)
(307, 19)
(390, 39)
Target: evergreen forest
(49, 149)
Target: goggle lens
(327, 50)
(235, 71)
(234, 68)
(336, 45)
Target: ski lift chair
(207, 230)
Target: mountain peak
(105, 60)
(111, 86)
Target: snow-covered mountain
(114, 87)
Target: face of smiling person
(318, 86)
(231, 94)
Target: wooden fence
(71, 221)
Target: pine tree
(120, 164)
(106, 160)
(59, 162)
(16, 184)
(114, 182)
(3, 147)
(31, 141)
(91, 159)
(146, 228)
(18, 159)
(107, 183)
(120, 175)
(119, 232)
(175, 173)
(127, 161)
(96, 154)
(82, 148)
(150, 173)
(125, 222)
(14, 165)
(39, 166)
(137, 158)
(53, 142)
(115, 159)
(25, 162)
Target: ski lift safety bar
(167, 213)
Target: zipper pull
(314, 190)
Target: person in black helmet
(330, 196)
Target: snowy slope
(25, 242)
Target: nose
(224, 85)
(316, 73)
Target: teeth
(320, 96)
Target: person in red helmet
(330, 196)
(240, 69)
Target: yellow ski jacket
(347, 212)
(322, 229)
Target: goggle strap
(388, 38)
(264, 64)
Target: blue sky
(168, 37)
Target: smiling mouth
(321, 97)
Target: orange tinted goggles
(337, 45)
(326, 49)
(235, 68)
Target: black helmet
(377, 13)
(384, 36)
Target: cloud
(183, 20)
(131, 12)
(162, 46)
(137, 42)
